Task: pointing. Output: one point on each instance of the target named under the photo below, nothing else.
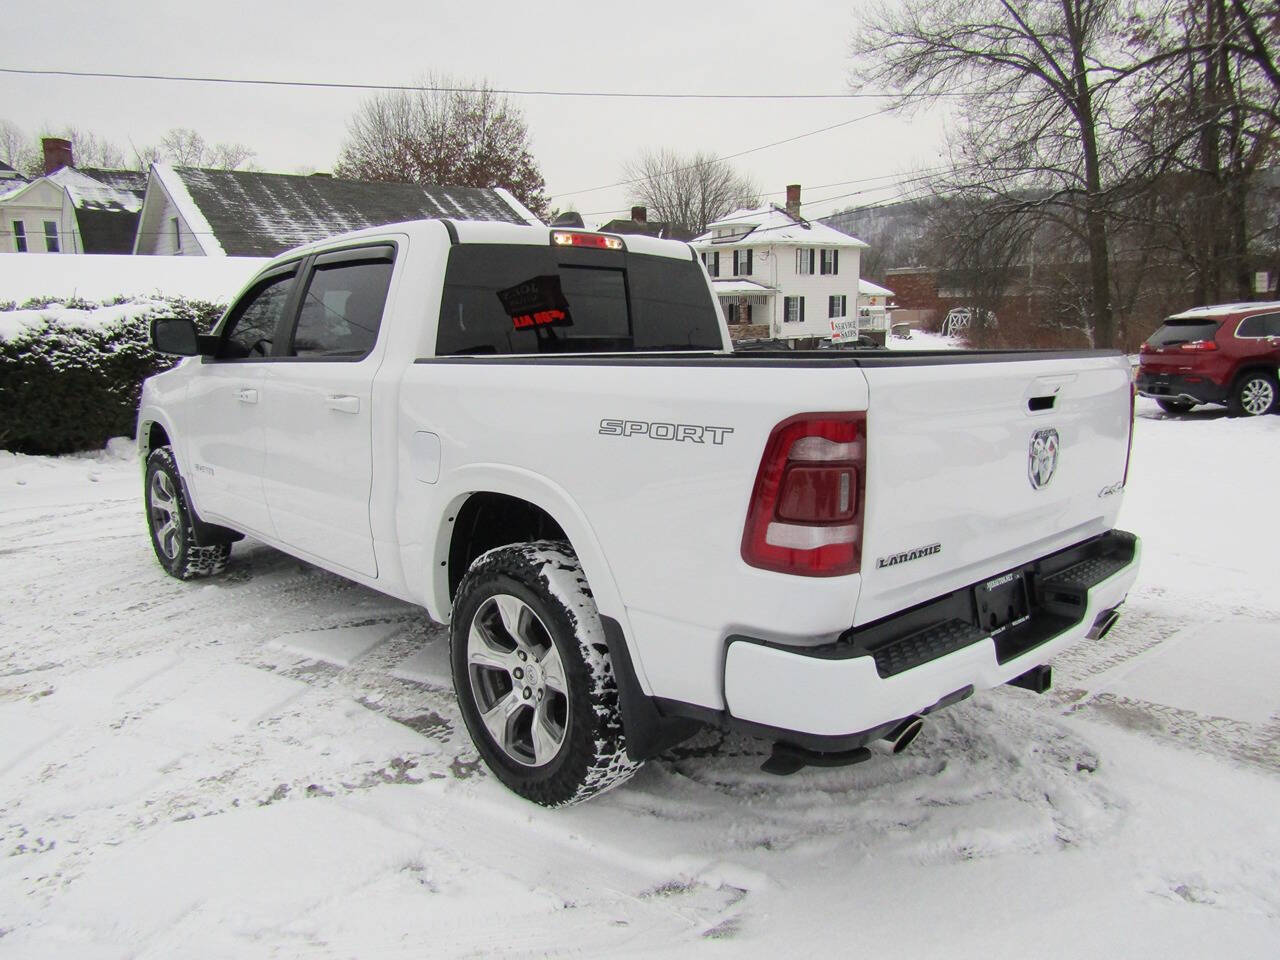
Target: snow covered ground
(270, 764)
(103, 276)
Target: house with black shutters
(781, 276)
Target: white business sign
(844, 328)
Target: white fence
(101, 277)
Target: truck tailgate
(976, 467)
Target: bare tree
(444, 135)
(688, 191)
(980, 244)
(13, 144)
(184, 147)
(1037, 84)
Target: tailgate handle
(1036, 404)
(342, 403)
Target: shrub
(69, 388)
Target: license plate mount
(1002, 602)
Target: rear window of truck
(1175, 331)
(531, 299)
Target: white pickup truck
(543, 437)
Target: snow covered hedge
(71, 371)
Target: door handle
(247, 395)
(343, 403)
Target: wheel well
(1256, 368)
(489, 520)
(156, 437)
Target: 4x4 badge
(1042, 458)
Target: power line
(449, 88)
(900, 180)
(731, 156)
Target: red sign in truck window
(535, 303)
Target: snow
(191, 213)
(868, 289)
(923, 340)
(86, 192)
(102, 276)
(270, 763)
(13, 322)
(772, 225)
(1225, 309)
(740, 287)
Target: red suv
(1227, 354)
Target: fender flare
(543, 493)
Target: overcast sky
(580, 143)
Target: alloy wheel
(518, 680)
(1257, 396)
(163, 504)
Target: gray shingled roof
(107, 231)
(262, 214)
(648, 228)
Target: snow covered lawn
(270, 764)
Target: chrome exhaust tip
(902, 736)
(1103, 624)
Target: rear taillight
(1145, 348)
(805, 515)
(1197, 346)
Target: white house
(779, 275)
(71, 209)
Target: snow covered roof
(251, 214)
(728, 287)
(867, 288)
(773, 225)
(90, 189)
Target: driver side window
(251, 328)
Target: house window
(830, 262)
(836, 306)
(804, 262)
(711, 260)
(793, 309)
(20, 236)
(742, 263)
(51, 236)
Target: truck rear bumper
(837, 695)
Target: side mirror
(176, 337)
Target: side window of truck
(342, 304)
(251, 328)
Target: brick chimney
(57, 154)
(793, 200)
(639, 215)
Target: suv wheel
(533, 676)
(1174, 406)
(173, 536)
(1253, 395)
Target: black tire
(558, 623)
(1174, 406)
(1253, 395)
(169, 519)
